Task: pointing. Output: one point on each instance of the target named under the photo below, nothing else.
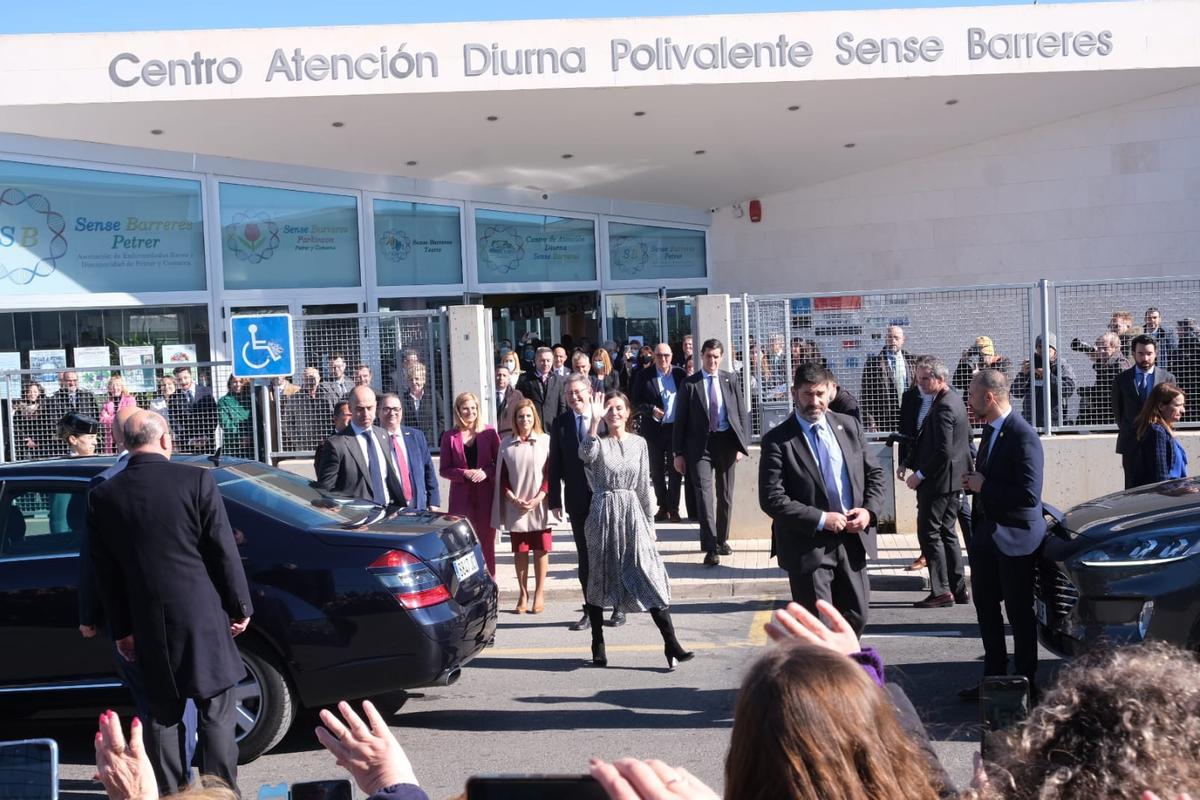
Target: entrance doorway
(548, 317)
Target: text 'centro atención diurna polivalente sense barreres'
(661, 54)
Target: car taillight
(409, 579)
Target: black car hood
(1158, 506)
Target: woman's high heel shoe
(599, 657)
(676, 656)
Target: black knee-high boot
(671, 646)
(596, 617)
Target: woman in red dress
(468, 461)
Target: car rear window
(289, 498)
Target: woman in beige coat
(521, 507)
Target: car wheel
(265, 706)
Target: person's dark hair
(1151, 413)
(1116, 723)
(338, 406)
(994, 381)
(1142, 338)
(180, 370)
(810, 724)
(811, 372)
(712, 344)
(335, 357)
(624, 398)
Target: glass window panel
(65, 230)
(287, 239)
(417, 243)
(649, 252)
(634, 316)
(516, 248)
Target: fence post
(6, 420)
(710, 320)
(471, 357)
(265, 399)
(747, 373)
(1047, 418)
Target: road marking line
(612, 648)
(758, 633)
(942, 634)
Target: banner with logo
(93, 380)
(138, 380)
(288, 239)
(48, 363)
(65, 231)
(650, 252)
(179, 354)
(10, 362)
(417, 243)
(515, 248)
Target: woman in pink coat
(118, 398)
(468, 461)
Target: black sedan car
(1123, 568)
(347, 603)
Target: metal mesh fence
(400, 352)
(869, 340)
(203, 404)
(1095, 327)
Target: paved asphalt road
(532, 704)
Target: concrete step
(749, 572)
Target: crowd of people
(816, 718)
(616, 446)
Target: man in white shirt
(357, 462)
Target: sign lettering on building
(662, 54)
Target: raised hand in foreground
(632, 779)
(123, 768)
(797, 622)
(371, 753)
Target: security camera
(545, 197)
(712, 210)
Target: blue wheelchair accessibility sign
(262, 346)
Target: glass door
(636, 316)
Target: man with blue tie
(654, 396)
(409, 452)
(1129, 393)
(1008, 528)
(823, 491)
(711, 435)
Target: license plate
(465, 566)
(1039, 609)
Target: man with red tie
(409, 452)
(711, 435)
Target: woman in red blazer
(468, 461)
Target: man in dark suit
(70, 397)
(566, 470)
(507, 398)
(655, 396)
(356, 461)
(938, 458)
(175, 595)
(542, 386)
(192, 412)
(711, 435)
(823, 491)
(341, 420)
(409, 453)
(885, 376)
(1009, 528)
(1129, 393)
